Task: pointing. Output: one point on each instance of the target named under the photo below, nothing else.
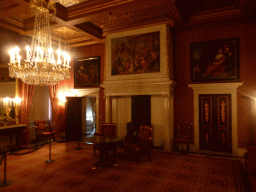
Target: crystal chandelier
(41, 66)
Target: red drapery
(26, 93)
(53, 93)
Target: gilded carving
(207, 137)
(206, 111)
(223, 113)
(65, 32)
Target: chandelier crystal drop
(41, 65)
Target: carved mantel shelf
(161, 86)
(213, 87)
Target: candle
(49, 53)
(7, 102)
(17, 53)
(37, 52)
(41, 53)
(27, 53)
(11, 55)
(59, 52)
(68, 58)
(19, 57)
(65, 58)
(17, 102)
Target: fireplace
(121, 89)
(119, 95)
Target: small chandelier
(40, 66)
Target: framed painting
(138, 53)
(87, 72)
(215, 60)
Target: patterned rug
(72, 171)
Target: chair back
(108, 129)
(41, 125)
(49, 125)
(183, 131)
(146, 132)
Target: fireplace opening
(140, 113)
(141, 109)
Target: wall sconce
(61, 99)
(17, 103)
(7, 106)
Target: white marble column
(108, 112)
(168, 128)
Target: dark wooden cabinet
(73, 131)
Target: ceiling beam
(90, 28)
(82, 12)
(85, 9)
(174, 13)
(9, 9)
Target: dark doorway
(73, 131)
(90, 115)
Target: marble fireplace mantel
(161, 86)
(118, 106)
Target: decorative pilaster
(108, 112)
(167, 124)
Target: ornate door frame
(94, 92)
(215, 119)
(216, 88)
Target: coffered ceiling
(86, 22)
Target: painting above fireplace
(138, 54)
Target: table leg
(104, 159)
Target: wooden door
(73, 131)
(215, 122)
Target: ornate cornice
(215, 86)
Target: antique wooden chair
(106, 129)
(183, 135)
(140, 146)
